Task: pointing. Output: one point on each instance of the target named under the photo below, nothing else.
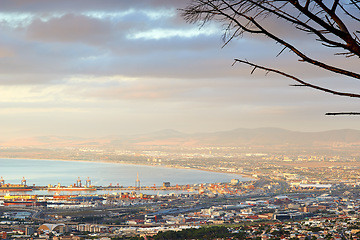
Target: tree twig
(342, 113)
(303, 83)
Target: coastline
(245, 176)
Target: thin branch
(303, 83)
(355, 3)
(341, 32)
(262, 30)
(221, 8)
(342, 113)
(304, 57)
(335, 4)
(287, 17)
(282, 50)
(349, 14)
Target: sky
(97, 68)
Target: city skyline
(97, 69)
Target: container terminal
(78, 187)
(23, 195)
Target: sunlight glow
(161, 33)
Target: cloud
(84, 5)
(94, 67)
(69, 28)
(158, 33)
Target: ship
(8, 187)
(14, 187)
(23, 202)
(76, 187)
(8, 196)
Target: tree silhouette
(334, 23)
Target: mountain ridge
(170, 137)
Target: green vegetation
(201, 233)
(128, 238)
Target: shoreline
(248, 177)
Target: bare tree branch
(249, 10)
(303, 83)
(342, 113)
(331, 22)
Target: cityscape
(173, 120)
(270, 195)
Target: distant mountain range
(251, 137)
(266, 137)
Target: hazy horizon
(92, 69)
(175, 130)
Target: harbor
(72, 184)
(79, 187)
(45, 172)
(78, 195)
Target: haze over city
(97, 68)
(170, 119)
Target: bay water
(45, 172)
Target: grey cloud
(70, 28)
(184, 83)
(176, 57)
(83, 5)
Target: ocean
(45, 172)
